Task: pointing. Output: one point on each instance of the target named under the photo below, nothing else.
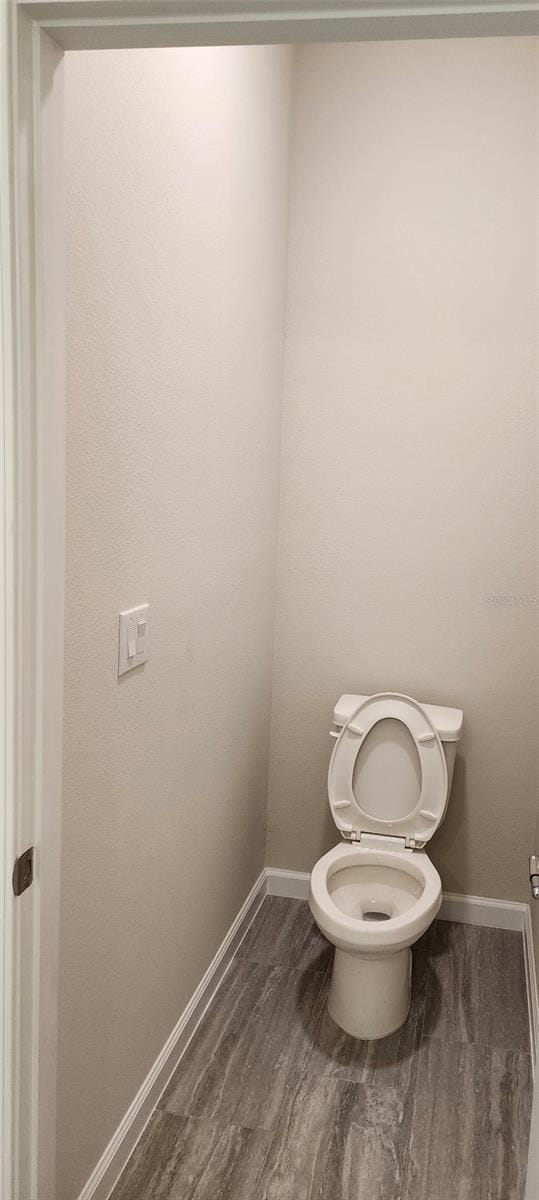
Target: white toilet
(377, 892)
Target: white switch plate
(133, 637)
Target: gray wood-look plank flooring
(272, 1101)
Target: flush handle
(534, 875)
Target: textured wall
(408, 445)
(177, 178)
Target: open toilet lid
(427, 808)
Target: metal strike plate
(23, 871)
(534, 875)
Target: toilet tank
(447, 723)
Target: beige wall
(177, 177)
(408, 454)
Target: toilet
(377, 892)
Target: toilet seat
(415, 827)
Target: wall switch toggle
(133, 631)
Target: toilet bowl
(377, 892)
(373, 904)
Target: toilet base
(369, 996)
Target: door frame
(32, 485)
(33, 37)
(8, 807)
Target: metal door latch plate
(23, 871)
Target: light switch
(133, 631)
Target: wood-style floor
(272, 1101)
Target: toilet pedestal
(370, 997)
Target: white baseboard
(294, 884)
(272, 881)
(531, 984)
(481, 910)
(112, 1162)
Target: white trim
(482, 910)
(112, 1162)
(50, 476)
(8, 607)
(82, 24)
(38, 469)
(294, 884)
(531, 984)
